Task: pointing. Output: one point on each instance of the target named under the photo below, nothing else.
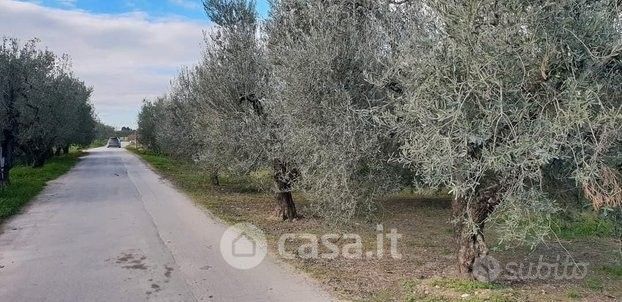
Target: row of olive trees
(345, 99)
(43, 106)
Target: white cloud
(188, 4)
(68, 3)
(124, 57)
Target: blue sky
(127, 50)
(191, 9)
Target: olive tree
(12, 87)
(175, 131)
(56, 114)
(24, 78)
(75, 123)
(150, 115)
(233, 87)
(102, 131)
(39, 107)
(213, 113)
(498, 90)
(323, 56)
(42, 105)
(178, 132)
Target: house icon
(243, 246)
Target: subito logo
(486, 269)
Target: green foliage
(103, 131)
(523, 219)
(512, 106)
(151, 114)
(27, 182)
(498, 91)
(99, 142)
(43, 105)
(321, 96)
(261, 179)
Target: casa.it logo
(243, 246)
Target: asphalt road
(113, 230)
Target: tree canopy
(43, 105)
(489, 100)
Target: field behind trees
(510, 111)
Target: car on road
(114, 142)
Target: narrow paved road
(112, 230)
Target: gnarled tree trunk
(39, 159)
(39, 154)
(214, 178)
(4, 177)
(286, 207)
(66, 149)
(6, 160)
(4, 167)
(284, 177)
(469, 220)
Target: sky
(127, 50)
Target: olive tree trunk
(39, 159)
(6, 160)
(4, 168)
(39, 155)
(284, 178)
(469, 221)
(214, 178)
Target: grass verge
(27, 182)
(426, 271)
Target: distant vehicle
(114, 142)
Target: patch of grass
(27, 182)
(453, 289)
(583, 225)
(574, 294)
(594, 284)
(613, 270)
(464, 285)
